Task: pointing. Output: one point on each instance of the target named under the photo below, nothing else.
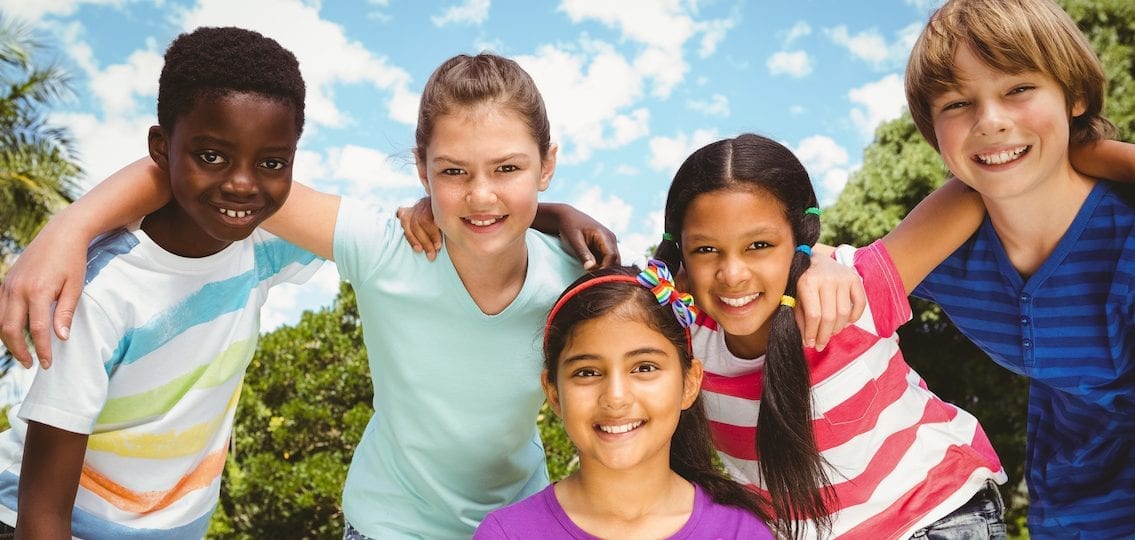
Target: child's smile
(738, 268)
(620, 390)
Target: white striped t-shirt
(900, 458)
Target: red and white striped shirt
(900, 457)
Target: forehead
(616, 335)
(241, 117)
(727, 212)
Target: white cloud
(798, 30)
(327, 57)
(609, 210)
(287, 301)
(924, 5)
(119, 86)
(634, 247)
(662, 26)
(827, 164)
(718, 105)
(668, 153)
(792, 63)
(871, 47)
(589, 92)
(469, 12)
(367, 170)
(878, 102)
(35, 10)
(105, 144)
(626, 170)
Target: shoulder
(725, 521)
(534, 516)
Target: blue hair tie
(807, 250)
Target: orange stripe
(144, 502)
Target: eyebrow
(507, 157)
(641, 351)
(755, 231)
(208, 140)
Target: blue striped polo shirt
(1070, 328)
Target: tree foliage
(38, 171)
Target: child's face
(737, 250)
(1005, 135)
(483, 171)
(229, 162)
(620, 390)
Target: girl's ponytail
(790, 462)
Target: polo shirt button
(1024, 321)
(1028, 344)
(1024, 298)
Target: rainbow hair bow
(657, 278)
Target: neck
(492, 284)
(628, 496)
(1032, 224)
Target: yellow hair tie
(788, 301)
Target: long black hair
(791, 466)
(691, 449)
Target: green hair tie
(667, 236)
(813, 210)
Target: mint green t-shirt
(456, 392)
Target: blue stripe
(105, 249)
(1071, 328)
(86, 525)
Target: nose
(991, 119)
(481, 193)
(616, 392)
(732, 271)
(240, 182)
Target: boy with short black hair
(127, 436)
(1046, 286)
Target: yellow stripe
(187, 442)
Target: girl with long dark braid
(850, 442)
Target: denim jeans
(7, 532)
(982, 517)
(351, 533)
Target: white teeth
(484, 223)
(235, 213)
(1001, 157)
(615, 430)
(738, 302)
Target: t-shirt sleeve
(365, 239)
(490, 529)
(280, 261)
(886, 294)
(71, 394)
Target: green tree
(1110, 26)
(38, 171)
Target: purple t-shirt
(541, 516)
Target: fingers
(402, 214)
(39, 326)
(579, 246)
(808, 311)
(608, 250)
(858, 301)
(12, 328)
(419, 229)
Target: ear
(1079, 107)
(548, 167)
(551, 393)
(158, 143)
(420, 163)
(692, 385)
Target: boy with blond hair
(1046, 286)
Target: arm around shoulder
(307, 219)
(1106, 159)
(934, 229)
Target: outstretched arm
(54, 264)
(593, 244)
(307, 219)
(49, 479)
(1107, 159)
(934, 229)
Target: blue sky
(632, 86)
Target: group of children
(650, 382)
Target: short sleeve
(279, 261)
(71, 394)
(365, 240)
(886, 294)
(490, 529)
